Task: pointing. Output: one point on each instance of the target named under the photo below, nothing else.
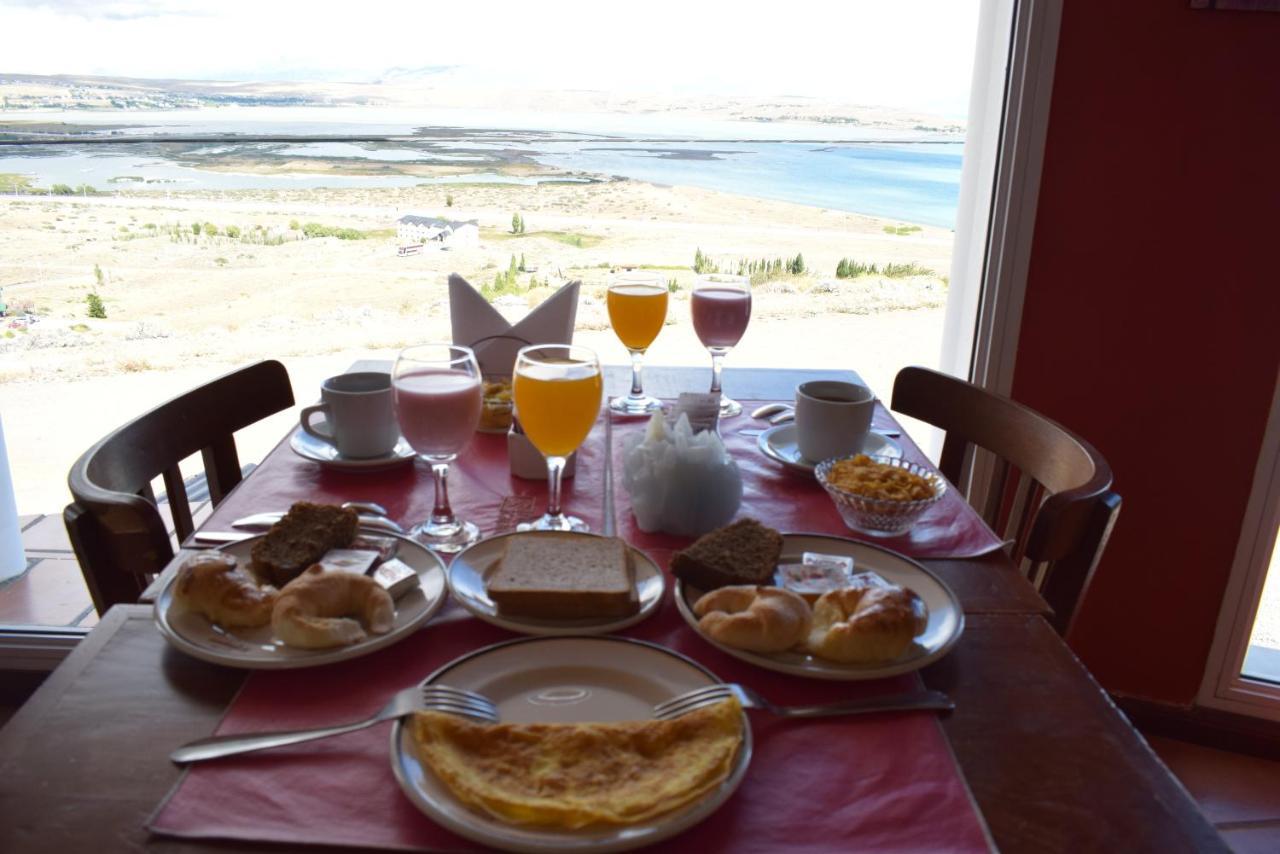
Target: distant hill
(437, 86)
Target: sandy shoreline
(183, 310)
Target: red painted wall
(1152, 317)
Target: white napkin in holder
(478, 325)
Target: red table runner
(795, 502)
(483, 491)
(481, 488)
(873, 783)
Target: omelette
(569, 776)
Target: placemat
(481, 487)
(795, 502)
(874, 783)
(482, 490)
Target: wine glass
(557, 390)
(721, 307)
(637, 309)
(437, 397)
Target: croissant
(757, 619)
(212, 585)
(866, 624)
(314, 610)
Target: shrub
(448, 200)
(210, 229)
(315, 229)
(703, 263)
(233, 231)
(95, 307)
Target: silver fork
(700, 697)
(439, 698)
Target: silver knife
(262, 521)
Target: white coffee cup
(359, 414)
(832, 418)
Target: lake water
(901, 175)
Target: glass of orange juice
(637, 309)
(556, 390)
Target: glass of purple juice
(721, 307)
(437, 392)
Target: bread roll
(757, 619)
(314, 610)
(866, 624)
(212, 585)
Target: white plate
(257, 649)
(779, 444)
(309, 447)
(466, 582)
(946, 616)
(542, 680)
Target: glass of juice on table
(557, 390)
(721, 307)
(437, 397)
(637, 309)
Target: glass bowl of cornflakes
(880, 496)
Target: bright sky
(915, 54)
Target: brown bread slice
(744, 552)
(301, 538)
(563, 576)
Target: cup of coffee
(360, 418)
(832, 418)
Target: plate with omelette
(577, 762)
(813, 605)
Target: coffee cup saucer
(310, 448)
(780, 445)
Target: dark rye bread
(563, 576)
(301, 538)
(744, 552)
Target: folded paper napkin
(680, 482)
(478, 325)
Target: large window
(158, 230)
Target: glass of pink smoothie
(721, 307)
(437, 393)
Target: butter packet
(396, 577)
(359, 561)
(815, 574)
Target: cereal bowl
(880, 516)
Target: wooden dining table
(1050, 761)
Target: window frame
(1223, 686)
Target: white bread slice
(562, 576)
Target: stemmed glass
(437, 396)
(721, 307)
(637, 309)
(557, 390)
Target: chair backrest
(115, 527)
(1050, 493)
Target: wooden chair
(115, 527)
(1050, 494)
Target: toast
(744, 552)
(562, 576)
(300, 538)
